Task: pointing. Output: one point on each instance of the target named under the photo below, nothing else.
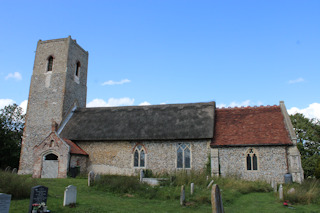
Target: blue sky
(170, 51)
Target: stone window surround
(245, 160)
(189, 145)
(145, 155)
(47, 65)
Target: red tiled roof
(74, 148)
(250, 126)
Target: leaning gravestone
(8, 168)
(90, 178)
(216, 200)
(5, 200)
(38, 195)
(70, 195)
(14, 171)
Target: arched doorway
(50, 165)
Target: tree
(11, 129)
(308, 142)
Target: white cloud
(16, 75)
(5, 102)
(145, 103)
(298, 80)
(24, 105)
(123, 81)
(240, 104)
(312, 111)
(111, 102)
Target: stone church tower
(58, 85)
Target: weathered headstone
(70, 195)
(191, 188)
(280, 192)
(97, 177)
(272, 183)
(291, 191)
(141, 175)
(211, 182)
(8, 168)
(216, 200)
(38, 195)
(90, 178)
(275, 187)
(5, 200)
(182, 196)
(14, 171)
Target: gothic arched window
(252, 159)
(183, 156)
(50, 63)
(139, 156)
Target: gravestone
(216, 200)
(272, 183)
(5, 200)
(97, 177)
(291, 191)
(191, 188)
(182, 196)
(14, 171)
(70, 195)
(275, 186)
(141, 175)
(280, 192)
(211, 182)
(38, 195)
(8, 168)
(90, 178)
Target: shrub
(19, 186)
(305, 193)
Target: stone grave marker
(8, 168)
(275, 185)
(191, 188)
(70, 195)
(38, 195)
(211, 182)
(90, 178)
(5, 201)
(280, 192)
(182, 196)
(216, 200)
(291, 191)
(141, 175)
(14, 171)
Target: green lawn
(91, 200)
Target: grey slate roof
(153, 122)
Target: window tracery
(139, 156)
(252, 160)
(183, 156)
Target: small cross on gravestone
(38, 195)
(5, 200)
(216, 200)
(90, 178)
(70, 195)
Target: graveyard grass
(93, 199)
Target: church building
(61, 133)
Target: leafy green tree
(308, 142)
(11, 129)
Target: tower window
(252, 160)
(50, 63)
(78, 69)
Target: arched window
(252, 159)
(183, 156)
(50, 63)
(51, 157)
(78, 69)
(139, 156)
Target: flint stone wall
(271, 163)
(117, 157)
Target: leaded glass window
(139, 156)
(252, 160)
(183, 156)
